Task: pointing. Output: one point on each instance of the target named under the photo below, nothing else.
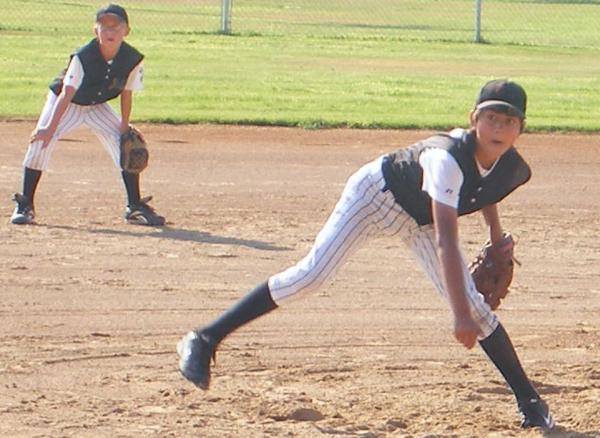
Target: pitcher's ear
(473, 115)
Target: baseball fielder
(415, 194)
(103, 69)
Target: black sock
(500, 350)
(31, 178)
(255, 303)
(132, 185)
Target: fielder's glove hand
(134, 151)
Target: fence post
(478, 21)
(226, 16)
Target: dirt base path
(91, 308)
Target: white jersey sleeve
(442, 177)
(135, 81)
(74, 74)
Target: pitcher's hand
(466, 330)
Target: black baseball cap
(113, 9)
(505, 95)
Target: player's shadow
(564, 391)
(167, 232)
(546, 388)
(563, 432)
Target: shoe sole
(21, 221)
(547, 426)
(144, 222)
(548, 423)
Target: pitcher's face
(496, 133)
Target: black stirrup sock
(31, 178)
(255, 303)
(132, 186)
(500, 350)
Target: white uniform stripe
(106, 125)
(38, 158)
(405, 220)
(73, 118)
(33, 158)
(393, 215)
(361, 206)
(101, 118)
(425, 249)
(327, 265)
(334, 243)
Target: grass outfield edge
(320, 124)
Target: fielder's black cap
(503, 94)
(113, 9)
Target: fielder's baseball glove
(134, 151)
(492, 270)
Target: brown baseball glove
(134, 151)
(492, 270)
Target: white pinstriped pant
(102, 119)
(362, 212)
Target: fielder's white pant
(363, 211)
(102, 119)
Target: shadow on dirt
(563, 432)
(167, 232)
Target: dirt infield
(91, 308)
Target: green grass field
(305, 64)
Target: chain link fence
(526, 22)
(76, 17)
(274, 42)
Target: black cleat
(141, 213)
(196, 351)
(24, 211)
(535, 413)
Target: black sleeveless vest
(404, 176)
(101, 81)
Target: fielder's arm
(45, 133)
(492, 220)
(126, 107)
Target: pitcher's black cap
(503, 94)
(113, 9)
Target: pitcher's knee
(294, 283)
(487, 321)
